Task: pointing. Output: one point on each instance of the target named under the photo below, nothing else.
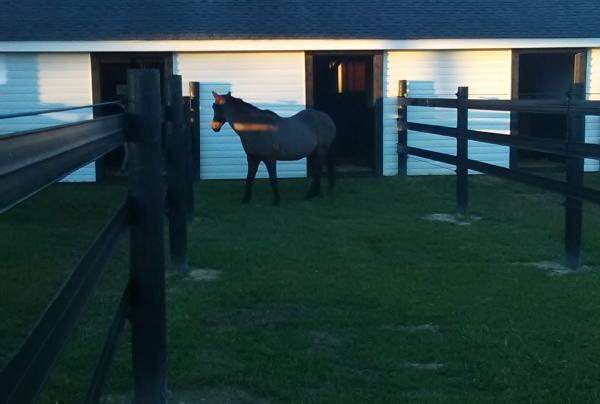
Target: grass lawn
(351, 298)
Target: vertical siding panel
(438, 74)
(38, 81)
(592, 123)
(274, 81)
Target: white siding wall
(592, 123)
(487, 73)
(37, 81)
(267, 80)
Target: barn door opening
(543, 75)
(348, 88)
(109, 79)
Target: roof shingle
(66, 20)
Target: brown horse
(268, 137)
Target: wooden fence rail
(573, 148)
(29, 161)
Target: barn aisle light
(340, 78)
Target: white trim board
(243, 45)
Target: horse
(267, 137)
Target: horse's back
(301, 134)
(319, 123)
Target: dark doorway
(345, 87)
(543, 75)
(109, 79)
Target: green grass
(314, 298)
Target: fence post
(147, 263)
(189, 164)
(195, 124)
(462, 152)
(575, 165)
(176, 178)
(402, 130)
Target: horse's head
(219, 110)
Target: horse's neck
(248, 121)
(248, 114)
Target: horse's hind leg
(331, 167)
(272, 169)
(252, 168)
(314, 162)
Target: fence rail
(573, 148)
(32, 160)
(25, 373)
(542, 106)
(64, 109)
(551, 146)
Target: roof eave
(255, 45)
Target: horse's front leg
(252, 168)
(272, 169)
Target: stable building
(343, 58)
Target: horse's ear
(229, 93)
(219, 99)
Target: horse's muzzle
(216, 126)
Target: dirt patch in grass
(412, 329)
(423, 366)
(554, 268)
(217, 395)
(452, 219)
(116, 399)
(205, 274)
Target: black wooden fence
(573, 148)
(31, 160)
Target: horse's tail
(331, 167)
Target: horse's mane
(249, 107)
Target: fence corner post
(147, 260)
(575, 167)
(189, 162)
(462, 152)
(402, 128)
(195, 126)
(176, 179)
